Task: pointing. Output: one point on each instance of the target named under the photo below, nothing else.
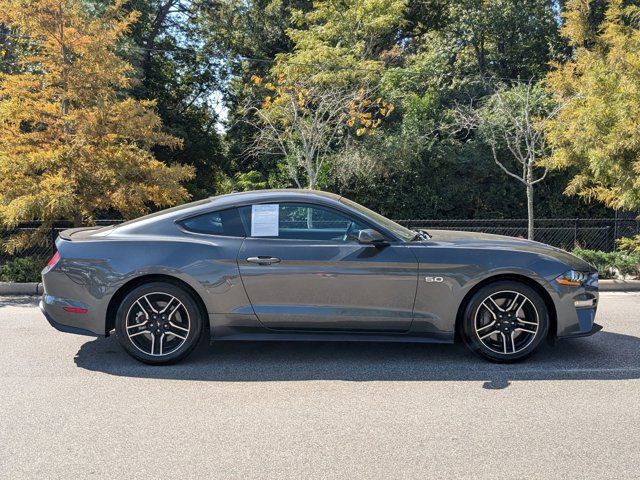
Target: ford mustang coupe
(308, 265)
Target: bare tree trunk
(312, 177)
(529, 211)
(509, 119)
(150, 40)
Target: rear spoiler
(68, 233)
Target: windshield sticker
(264, 220)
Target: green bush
(603, 261)
(25, 269)
(630, 245)
(609, 264)
(627, 263)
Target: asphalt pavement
(79, 407)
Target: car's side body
(402, 291)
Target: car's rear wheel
(505, 321)
(159, 323)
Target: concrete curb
(33, 288)
(8, 288)
(619, 285)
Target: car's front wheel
(158, 323)
(505, 321)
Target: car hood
(479, 240)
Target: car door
(307, 271)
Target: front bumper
(594, 329)
(576, 309)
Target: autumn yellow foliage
(362, 111)
(596, 132)
(71, 143)
(307, 123)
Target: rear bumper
(62, 327)
(71, 303)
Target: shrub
(26, 269)
(611, 264)
(601, 260)
(627, 263)
(630, 245)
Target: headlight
(573, 278)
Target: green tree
(179, 66)
(324, 86)
(450, 50)
(341, 42)
(596, 131)
(249, 34)
(508, 39)
(251, 180)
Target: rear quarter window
(223, 222)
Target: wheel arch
(122, 292)
(548, 301)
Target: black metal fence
(566, 233)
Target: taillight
(75, 310)
(55, 259)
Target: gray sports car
(309, 265)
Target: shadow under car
(606, 356)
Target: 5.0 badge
(434, 279)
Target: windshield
(397, 229)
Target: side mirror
(369, 236)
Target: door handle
(263, 260)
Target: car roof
(262, 195)
(225, 201)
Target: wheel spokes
(504, 342)
(496, 306)
(153, 309)
(486, 335)
(486, 326)
(153, 332)
(517, 303)
(161, 341)
(525, 330)
(142, 309)
(511, 323)
(180, 336)
(179, 327)
(164, 309)
(131, 335)
(489, 309)
(520, 320)
(137, 325)
(513, 342)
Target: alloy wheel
(157, 324)
(506, 322)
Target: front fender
(447, 275)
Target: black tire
(498, 334)
(150, 331)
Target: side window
(297, 221)
(223, 222)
